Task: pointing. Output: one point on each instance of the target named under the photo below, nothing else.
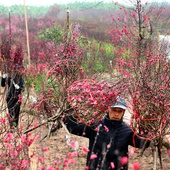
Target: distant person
(15, 88)
(109, 140)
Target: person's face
(116, 113)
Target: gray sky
(51, 2)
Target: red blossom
(136, 165)
(124, 160)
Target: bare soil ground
(59, 149)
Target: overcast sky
(51, 2)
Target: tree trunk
(154, 150)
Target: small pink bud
(136, 166)
(124, 160)
(169, 152)
(112, 165)
(93, 156)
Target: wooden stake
(68, 19)
(10, 32)
(27, 34)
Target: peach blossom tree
(141, 63)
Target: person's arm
(75, 127)
(3, 80)
(20, 86)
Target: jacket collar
(112, 123)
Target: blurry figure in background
(109, 140)
(15, 85)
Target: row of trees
(42, 10)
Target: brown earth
(58, 150)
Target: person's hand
(5, 75)
(16, 85)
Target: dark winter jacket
(12, 91)
(109, 140)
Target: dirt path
(59, 149)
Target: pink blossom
(97, 128)
(93, 156)
(25, 163)
(41, 159)
(87, 167)
(42, 168)
(124, 160)
(131, 152)
(106, 128)
(55, 163)
(50, 168)
(20, 98)
(72, 161)
(30, 141)
(37, 137)
(136, 165)
(168, 151)
(109, 145)
(2, 120)
(51, 90)
(2, 167)
(91, 121)
(94, 102)
(10, 136)
(112, 165)
(95, 113)
(85, 150)
(74, 145)
(45, 149)
(38, 146)
(9, 146)
(144, 18)
(13, 154)
(24, 139)
(35, 124)
(66, 163)
(79, 99)
(72, 154)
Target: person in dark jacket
(109, 141)
(15, 85)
